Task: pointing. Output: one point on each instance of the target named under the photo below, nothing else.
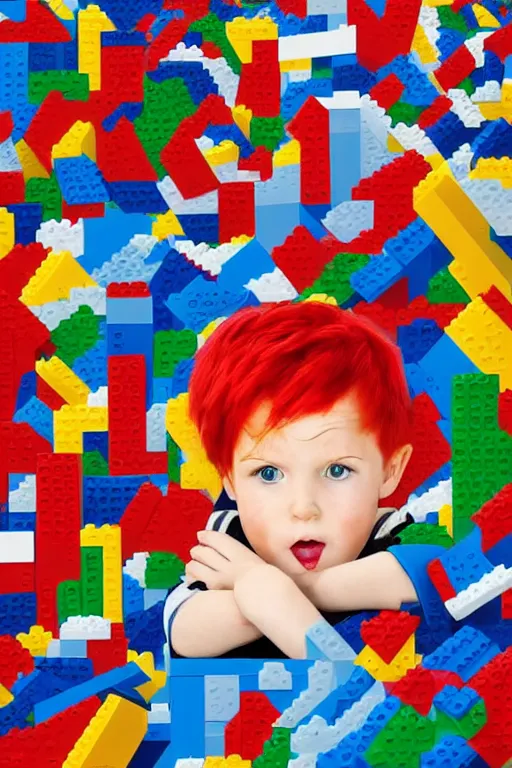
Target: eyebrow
(306, 440)
(273, 463)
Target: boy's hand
(219, 560)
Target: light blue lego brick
(129, 675)
(345, 160)
(324, 642)
(9, 160)
(335, 20)
(214, 739)
(130, 311)
(38, 415)
(250, 262)
(348, 219)
(275, 222)
(53, 649)
(221, 697)
(343, 121)
(154, 596)
(187, 707)
(374, 279)
(73, 649)
(440, 364)
(156, 433)
(283, 187)
(321, 7)
(162, 389)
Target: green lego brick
(276, 750)
(169, 348)
(213, 31)
(77, 334)
(173, 455)
(72, 84)
(91, 579)
(47, 192)
(402, 741)
(404, 113)
(267, 132)
(163, 570)
(443, 288)
(321, 72)
(467, 727)
(335, 278)
(467, 85)
(94, 464)
(69, 600)
(423, 533)
(451, 20)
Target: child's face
(308, 493)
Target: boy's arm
(210, 624)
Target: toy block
(404, 660)
(36, 641)
(66, 384)
(387, 632)
(157, 678)
(79, 140)
(91, 23)
(16, 547)
(7, 233)
(54, 279)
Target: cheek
(259, 527)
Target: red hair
(303, 358)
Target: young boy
(304, 410)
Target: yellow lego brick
(79, 140)
(146, 662)
(208, 330)
(166, 224)
(36, 641)
(225, 152)
(296, 65)
(7, 234)
(112, 737)
(494, 110)
(436, 3)
(54, 279)
(90, 536)
(423, 47)
(241, 32)
(61, 10)
(493, 168)
(197, 472)
(484, 17)
(71, 421)
(241, 240)
(108, 537)
(446, 517)
(394, 145)
(322, 298)
(32, 168)
(404, 660)
(435, 160)
(288, 154)
(485, 339)
(5, 696)
(458, 223)
(92, 21)
(63, 380)
(232, 761)
(242, 117)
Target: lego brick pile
(162, 164)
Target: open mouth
(308, 553)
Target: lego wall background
(154, 153)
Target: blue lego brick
(73, 670)
(350, 629)
(14, 87)
(15, 479)
(432, 518)
(17, 612)
(298, 92)
(417, 338)
(4, 517)
(292, 25)
(149, 752)
(352, 77)
(125, 14)
(453, 751)
(133, 339)
(128, 109)
(374, 279)
(218, 133)
(274, 224)
(192, 38)
(494, 68)
(494, 140)
(501, 553)
(15, 10)
(449, 133)
(505, 242)
(203, 301)
(443, 473)
(419, 91)
(181, 378)
(96, 441)
(36, 687)
(250, 262)
(201, 227)
(137, 197)
(469, 17)
(342, 698)
(173, 275)
(130, 311)
(465, 653)
(163, 388)
(27, 389)
(214, 739)
(345, 156)
(440, 364)
(198, 80)
(91, 367)
(21, 521)
(58, 56)
(106, 498)
(145, 631)
(281, 189)
(465, 563)
(187, 703)
(27, 220)
(129, 676)
(123, 38)
(454, 702)
(153, 596)
(81, 181)
(38, 415)
(448, 41)
(108, 234)
(311, 216)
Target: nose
(304, 509)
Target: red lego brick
(120, 155)
(6, 125)
(127, 419)
(439, 107)
(19, 266)
(506, 604)
(57, 538)
(301, 257)
(500, 305)
(247, 732)
(19, 448)
(183, 161)
(394, 30)
(14, 658)
(16, 577)
(260, 80)
(40, 26)
(387, 632)
(87, 211)
(48, 395)
(500, 42)
(136, 517)
(108, 654)
(237, 212)
(505, 411)
(431, 450)
(137, 290)
(210, 50)
(455, 68)
(494, 684)
(12, 187)
(311, 126)
(145, 23)
(494, 518)
(416, 689)
(440, 580)
(166, 40)
(397, 296)
(260, 160)
(294, 7)
(53, 119)
(122, 74)
(193, 9)
(388, 91)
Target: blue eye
(339, 471)
(267, 474)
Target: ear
(394, 470)
(229, 488)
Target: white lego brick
(226, 172)
(479, 593)
(317, 44)
(221, 697)
(348, 219)
(321, 681)
(465, 109)
(99, 398)
(413, 137)
(303, 761)
(94, 297)
(208, 203)
(341, 100)
(299, 75)
(475, 46)
(274, 677)
(9, 160)
(272, 286)
(23, 499)
(16, 546)
(159, 714)
(85, 628)
(189, 762)
(430, 501)
(156, 432)
(429, 20)
(489, 92)
(129, 264)
(209, 259)
(182, 53)
(62, 236)
(492, 200)
(225, 78)
(53, 649)
(136, 567)
(460, 161)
